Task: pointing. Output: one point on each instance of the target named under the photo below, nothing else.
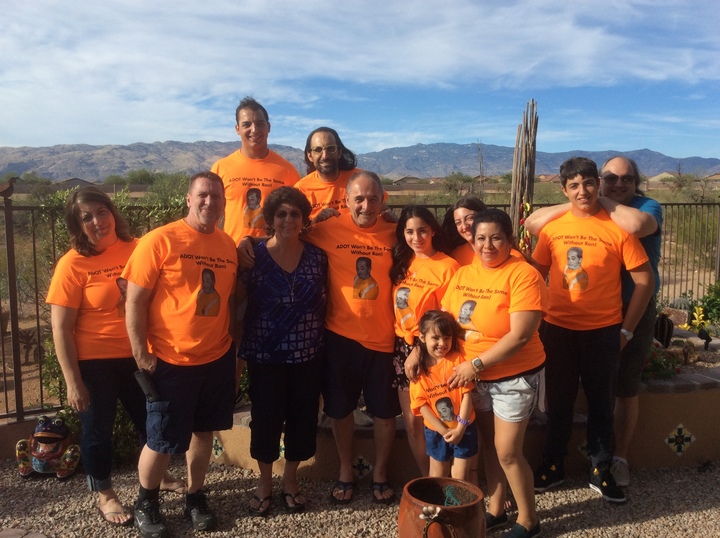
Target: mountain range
(95, 163)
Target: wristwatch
(627, 334)
(478, 364)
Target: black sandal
(343, 487)
(382, 487)
(259, 511)
(296, 506)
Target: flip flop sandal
(382, 487)
(259, 511)
(296, 506)
(343, 487)
(105, 516)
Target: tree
(460, 184)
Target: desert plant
(698, 322)
(660, 364)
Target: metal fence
(34, 237)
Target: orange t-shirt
(170, 260)
(368, 321)
(464, 254)
(487, 297)
(88, 284)
(431, 388)
(239, 175)
(322, 194)
(594, 300)
(422, 290)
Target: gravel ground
(661, 502)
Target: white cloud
(117, 72)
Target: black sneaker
(602, 481)
(148, 520)
(495, 522)
(548, 476)
(197, 510)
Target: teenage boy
(584, 330)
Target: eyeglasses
(282, 214)
(330, 150)
(611, 179)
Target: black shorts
(351, 368)
(635, 353)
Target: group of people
(325, 295)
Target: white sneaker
(620, 472)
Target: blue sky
(607, 75)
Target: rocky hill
(95, 163)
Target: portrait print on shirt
(252, 217)
(469, 331)
(364, 285)
(405, 314)
(208, 299)
(122, 285)
(574, 276)
(445, 410)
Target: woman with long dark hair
(457, 226)
(420, 274)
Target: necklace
(292, 287)
(291, 259)
(417, 269)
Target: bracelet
(463, 421)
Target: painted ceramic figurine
(48, 451)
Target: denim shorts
(513, 400)
(440, 450)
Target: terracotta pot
(455, 509)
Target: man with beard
(329, 165)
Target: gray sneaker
(148, 520)
(196, 509)
(621, 473)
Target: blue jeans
(107, 381)
(590, 357)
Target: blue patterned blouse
(285, 317)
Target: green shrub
(710, 303)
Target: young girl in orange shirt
(448, 415)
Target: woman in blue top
(282, 340)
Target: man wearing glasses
(585, 329)
(254, 167)
(620, 182)
(329, 165)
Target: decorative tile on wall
(362, 467)
(679, 440)
(217, 448)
